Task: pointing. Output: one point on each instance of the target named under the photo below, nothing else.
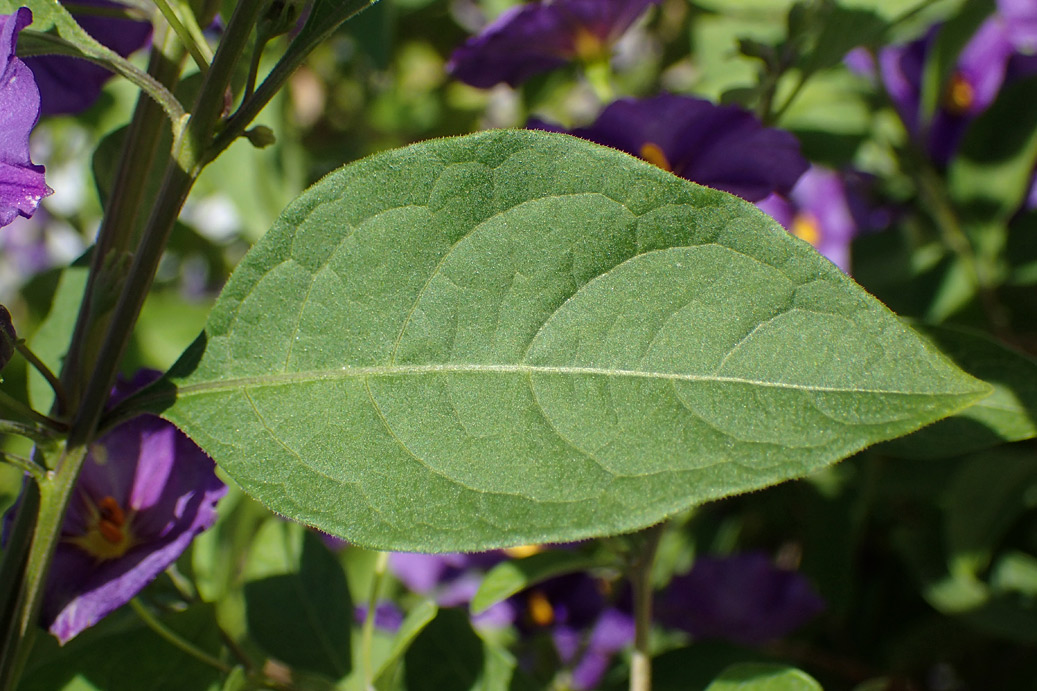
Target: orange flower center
(523, 551)
(588, 47)
(806, 227)
(653, 153)
(960, 95)
(109, 534)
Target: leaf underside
(520, 337)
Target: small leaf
(510, 577)
(301, 616)
(520, 337)
(413, 624)
(447, 654)
(753, 676)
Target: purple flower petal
(21, 183)
(541, 36)
(70, 85)
(723, 147)
(1020, 17)
(977, 78)
(818, 211)
(144, 492)
(742, 598)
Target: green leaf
(510, 577)
(51, 340)
(520, 337)
(122, 654)
(753, 676)
(990, 177)
(447, 654)
(413, 624)
(1008, 414)
(304, 615)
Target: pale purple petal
(1020, 18)
(21, 183)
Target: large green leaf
(518, 337)
(763, 677)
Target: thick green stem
(641, 583)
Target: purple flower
(452, 581)
(586, 626)
(7, 337)
(21, 183)
(742, 598)
(542, 36)
(723, 147)
(387, 616)
(70, 85)
(973, 86)
(818, 211)
(145, 491)
(1020, 17)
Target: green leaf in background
(990, 177)
(509, 577)
(521, 337)
(51, 339)
(413, 624)
(122, 654)
(1008, 414)
(299, 609)
(753, 676)
(447, 654)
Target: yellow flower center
(653, 153)
(540, 610)
(109, 535)
(588, 47)
(523, 551)
(806, 227)
(960, 95)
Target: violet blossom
(21, 182)
(1020, 21)
(817, 210)
(71, 85)
(741, 598)
(144, 493)
(724, 147)
(974, 84)
(542, 36)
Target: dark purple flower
(21, 183)
(1020, 17)
(818, 211)
(542, 36)
(973, 86)
(743, 598)
(587, 626)
(145, 491)
(7, 337)
(723, 147)
(70, 85)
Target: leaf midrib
(285, 378)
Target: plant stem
(190, 36)
(24, 464)
(175, 639)
(641, 582)
(14, 407)
(38, 434)
(367, 634)
(41, 367)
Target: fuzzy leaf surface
(520, 337)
